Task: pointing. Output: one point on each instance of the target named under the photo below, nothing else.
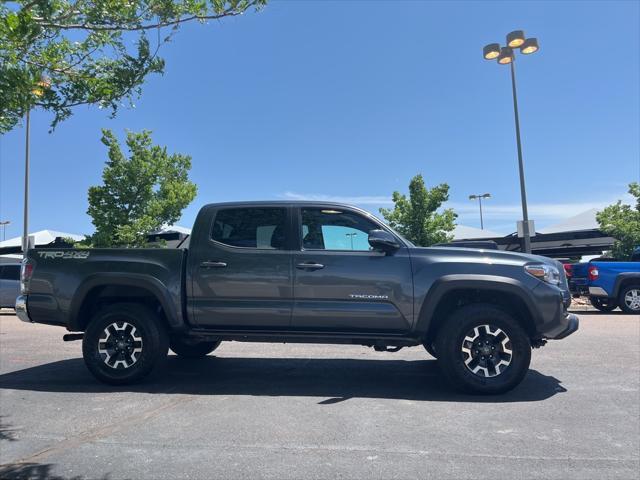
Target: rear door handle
(309, 266)
(213, 264)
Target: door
(241, 272)
(340, 283)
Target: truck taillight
(593, 273)
(26, 272)
(568, 270)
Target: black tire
(192, 350)
(629, 299)
(603, 304)
(430, 347)
(505, 333)
(109, 361)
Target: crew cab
(300, 272)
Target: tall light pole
(506, 56)
(4, 224)
(479, 198)
(38, 90)
(351, 235)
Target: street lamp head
(486, 195)
(491, 51)
(506, 56)
(42, 84)
(515, 38)
(472, 197)
(529, 46)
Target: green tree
(622, 222)
(95, 52)
(139, 193)
(417, 217)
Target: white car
(9, 284)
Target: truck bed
(66, 279)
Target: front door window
(332, 229)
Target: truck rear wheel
(192, 350)
(630, 299)
(603, 304)
(124, 343)
(483, 349)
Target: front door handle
(309, 266)
(213, 264)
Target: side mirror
(383, 241)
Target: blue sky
(348, 100)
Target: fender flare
(617, 286)
(152, 284)
(449, 283)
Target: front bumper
(569, 325)
(553, 321)
(21, 309)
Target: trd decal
(65, 255)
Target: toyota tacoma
(300, 272)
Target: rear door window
(260, 228)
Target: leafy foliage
(140, 193)
(84, 48)
(622, 222)
(417, 217)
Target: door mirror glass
(383, 241)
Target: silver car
(9, 284)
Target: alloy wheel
(632, 299)
(120, 345)
(486, 351)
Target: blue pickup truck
(608, 283)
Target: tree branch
(110, 28)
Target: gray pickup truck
(300, 272)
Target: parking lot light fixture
(506, 56)
(515, 38)
(491, 51)
(38, 90)
(479, 198)
(4, 224)
(527, 46)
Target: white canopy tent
(463, 232)
(42, 237)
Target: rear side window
(10, 272)
(262, 228)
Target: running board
(382, 341)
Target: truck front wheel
(124, 343)
(483, 349)
(186, 349)
(630, 299)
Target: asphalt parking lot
(310, 411)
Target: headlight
(543, 272)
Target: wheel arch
(625, 279)
(449, 293)
(103, 289)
